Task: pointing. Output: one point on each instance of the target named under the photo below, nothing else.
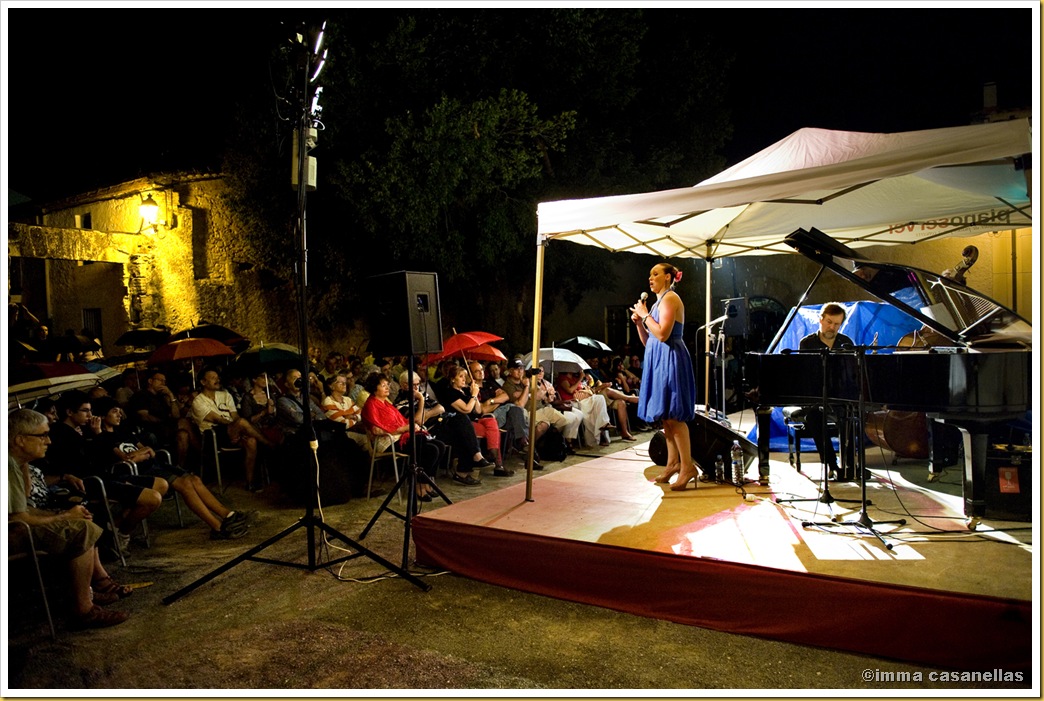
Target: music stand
(864, 521)
(825, 497)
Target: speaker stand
(409, 479)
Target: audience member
(572, 388)
(115, 443)
(290, 410)
(214, 408)
(69, 536)
(552, 411)
(71, 454)
(258, 406)
(461, 396)
(388, 426)
(509, 412)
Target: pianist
(825, 339)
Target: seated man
(69, 535)
(117, 443)
(215, 408)
(827, 338)
(551, 409)
(508, 408)
(70, 453)
(290, 405)
(516, 391)
(333, 365)
(156, 411)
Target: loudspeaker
(737, 322)
(708, 439)
(405, 319)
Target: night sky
(95, 94)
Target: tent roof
(862, 189)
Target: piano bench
(794, 420)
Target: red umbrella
(485, 352)
(187, 348)
(216, 332)
(456, 344)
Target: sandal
(113, 587)
(104, 598)
(97, 617)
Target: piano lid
(961, 314)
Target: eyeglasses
(45, 434)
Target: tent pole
(706, 334)
(538, 298)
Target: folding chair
(33, 555)
(375, 455)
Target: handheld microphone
(645, 296)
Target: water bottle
(719, 470)
(737, 463)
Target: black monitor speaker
(737, 321)
(707, 440)
(405, 316)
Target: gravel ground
(353, 627)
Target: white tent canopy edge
(862, 189)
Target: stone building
(100, 261)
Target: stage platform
(602, 533)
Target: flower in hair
(677, 275)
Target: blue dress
(668, 388)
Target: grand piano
(970, 364)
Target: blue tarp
(862, 321)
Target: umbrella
(75, 343)
(230, 338)
(34, 380)
(585, 346)
(187, 348)
(271, 356)
(104, 372)
(484, 352)
(144, 336)
(555, 360)
(18, 348)
(458, 343)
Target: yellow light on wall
(149, 210)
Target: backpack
(552, 446)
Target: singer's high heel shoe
(683, 480)
(665, 476)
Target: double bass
(906, 433)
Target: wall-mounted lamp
(149, 210)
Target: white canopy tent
(862, 189)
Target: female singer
(668, 388)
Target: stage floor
(611, 501)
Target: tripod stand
(825, 497)
(864, 521)
(408, 480)
(309, 521)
